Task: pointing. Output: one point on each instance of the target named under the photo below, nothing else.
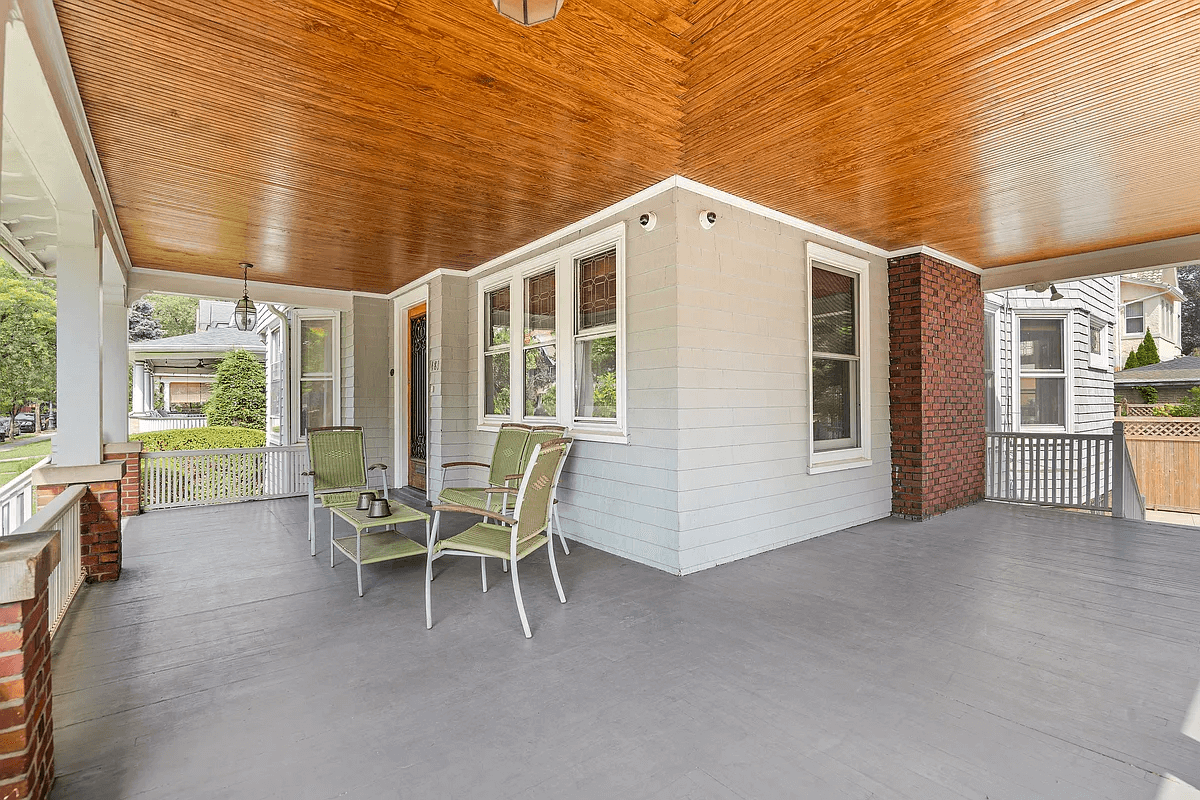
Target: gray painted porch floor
(994, 652)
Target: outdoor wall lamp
(245, 315)
(528, 12)
(1044, 286)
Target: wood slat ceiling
(357, 144)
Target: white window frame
(1103, 359)
(1141, 331)
(296, 377)
(1067, 374)
(860, 269)
(993, 312)
(562, 261)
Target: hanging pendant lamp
(245, 315)
(528, 12)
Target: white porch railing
(149, 424)
(1053, 469)
(1091, 471)
(178, 478)
(61, 514)
(16, 500)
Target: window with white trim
(497, 340)
(1098, 343)
(991, 407)
(571, 351)
(317, 360)
(1043, 372)
(1135, 321)
(838, 358)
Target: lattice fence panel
(1186, 427)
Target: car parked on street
(25, 422)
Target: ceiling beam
(1177, 252)
(147, 281)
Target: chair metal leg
(504, 564)
(483, 572)
(428, 581)
(520, 603)
(359, 565)
(561, 538)
(562, 598)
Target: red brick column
(99, 513)
(937, 393)
(131, 485)
(26, 723)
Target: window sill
(854, 462)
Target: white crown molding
(1162, 254)
(935, 253)
(41, 25)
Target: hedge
(213, 437)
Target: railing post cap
(26, 561)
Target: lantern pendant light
(245, 315)
(528, 12)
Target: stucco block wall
(743, 407)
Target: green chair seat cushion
(342, 499)
(468, 496)
(380, 546)
(487, 539)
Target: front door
(417, 396)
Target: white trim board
(144, 281)
(935, 253)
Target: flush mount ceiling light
(245, 315)
(528, 12)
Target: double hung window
(838, 314)
(570, 353)
(1043, 372)
(316, 373)
(1135, 321)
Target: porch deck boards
(997, 651)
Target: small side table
(381, 545)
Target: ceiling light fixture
(528, 12)
(245, 315)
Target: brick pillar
(99, 513)
(26, 722)
(131, 485)
(935, 313)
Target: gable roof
(1185, 369)
(214, 341)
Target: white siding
(1091, 388)
(450, 416)
(371, 389)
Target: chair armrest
(464, 464)
(499, 490)
(476, 511)
(514, 477)
(377, 466)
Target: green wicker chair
(338, 471)
(513, 538)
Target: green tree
(176, 314)
(1132, 361)
(1147, 351)
(239, 392)
(28, 333)
(142, 324)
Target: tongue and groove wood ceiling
(358, 144)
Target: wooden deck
(995, 652)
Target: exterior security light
(528, 12)
(245, 315)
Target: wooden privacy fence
(1166, 456)
(177, 478)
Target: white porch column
(166, 397)
(115, 323)
(80, 384)
(141, 398)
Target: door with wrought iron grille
(417, 396)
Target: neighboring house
(1048, 364)
(1151, 301)
(212, 314)
(184, 366)
(1172, 379)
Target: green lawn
(16, 460)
